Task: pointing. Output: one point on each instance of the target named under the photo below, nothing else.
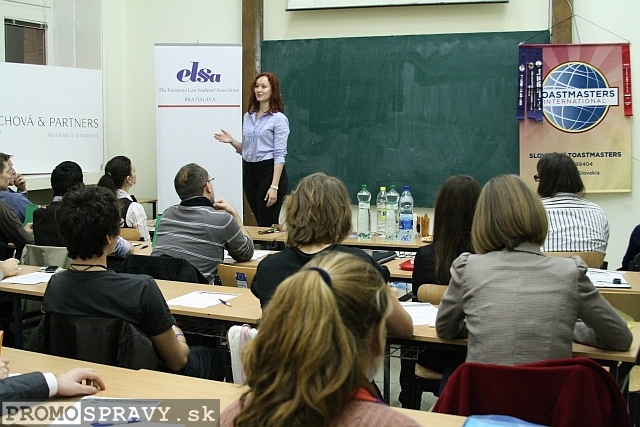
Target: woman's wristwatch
(275, 187)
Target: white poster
(51, 114)
(199, 92)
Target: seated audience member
(65, 177)
(11, 228)
(119, 176)
(88, 221)
(318, 218)
(632, 250)
(38, 385)
(200, 228)
(318, 372)
(575, 223)
(515, 304)
(455, 205)
(16, 200)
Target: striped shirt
(575, 224)
(200, 234)
(265, 138)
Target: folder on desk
(383, 256)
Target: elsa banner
(198, 92)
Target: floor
(428, 399)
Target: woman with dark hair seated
(575, 223)
(455, 206)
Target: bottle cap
(406, 188)
(393, 187)
(364, 186)
(383, 188)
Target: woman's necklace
(86, 267)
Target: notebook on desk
(383, 256)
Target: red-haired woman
(265, 130)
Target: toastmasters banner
(51, 114)
(198, 92)
(576, 99)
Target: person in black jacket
(38, 385)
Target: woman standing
(119, 176)
(265, 130)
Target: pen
(144, 247)
(224, 302)
(129, 421)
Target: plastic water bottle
(405, 224)
(391, 228)
(364, 213)
(381, 211)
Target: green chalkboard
(403, 110)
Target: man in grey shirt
(200, 228)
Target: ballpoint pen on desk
(117, 423)
(269, 231)
(224, 302)
(144, 247)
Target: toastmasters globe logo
(576, 97)
(197, 74)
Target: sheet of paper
(605, 278)
(201, 299)
(256, 255)
(422, 313)
(29, 279)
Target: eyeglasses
(209, 180)
(536, 178)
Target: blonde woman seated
(516, 304)
(317, 351)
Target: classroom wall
(131, 28)
(623, 210)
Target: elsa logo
(576, 97)
(201, 75)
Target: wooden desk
(384, 244)
(22, 362)
(396, 272)
(620, 363)
(245, 308)
(142, 248)
(278, 236)
(145, 384)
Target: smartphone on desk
(48, 269)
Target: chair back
(109, 341)
(155, 231)
(28, 215)
(45, 255)
(592, 259)
(163, 267)
(556, 393)
(227, 273)
(634, 265)
(130, 234)
(431, 293)
(237, 338)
